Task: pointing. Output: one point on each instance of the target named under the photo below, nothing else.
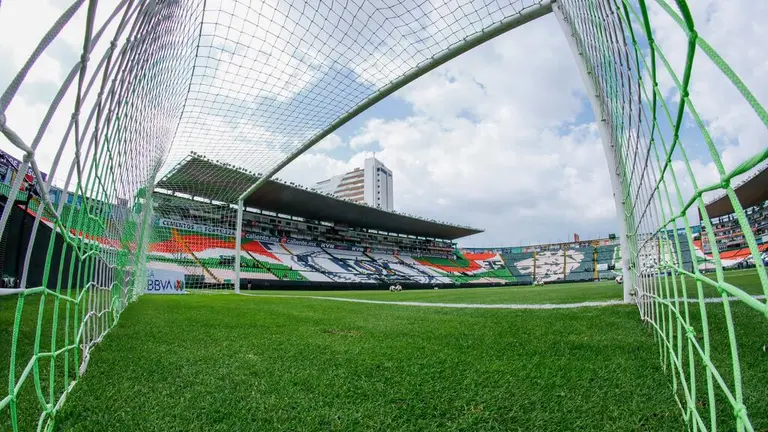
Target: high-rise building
(371, 185)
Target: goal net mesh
(249, 86)
(661, 192)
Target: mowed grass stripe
(239, 363)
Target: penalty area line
(453, 305)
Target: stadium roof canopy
(752, 192)
(199, 177)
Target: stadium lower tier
(210, 259)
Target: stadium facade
(372, 185)
(727, 236)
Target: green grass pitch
(227, 362)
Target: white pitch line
(210, 292)
(453, 305)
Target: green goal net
(247, 87)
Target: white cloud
(330, 142)
(25, 26)
(415, 31)
(311, 168)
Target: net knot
(724, 183)
(28, 157)
(740, 411)
(690, 332)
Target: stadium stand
(302, 257)
(563, 262)
(520, 265)
(729, 238)
(472, 268)
(211, 257)
(286, 260)
(361, 247)
(207, 259)
(580, 263)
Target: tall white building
(371, 185)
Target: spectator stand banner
(346, 247)
(488, 250)
(382, 251)
(189, 226)
(9, 168)
(262, 237)
(431, 254)
(164, 281)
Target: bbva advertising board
(162, 281)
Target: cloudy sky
(501, 138)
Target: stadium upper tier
(199, 177)
(752, 192)
(205, 218)
(726, 233)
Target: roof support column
(238, 244)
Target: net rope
(85, 254)
(251, 86)
(625, 63)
